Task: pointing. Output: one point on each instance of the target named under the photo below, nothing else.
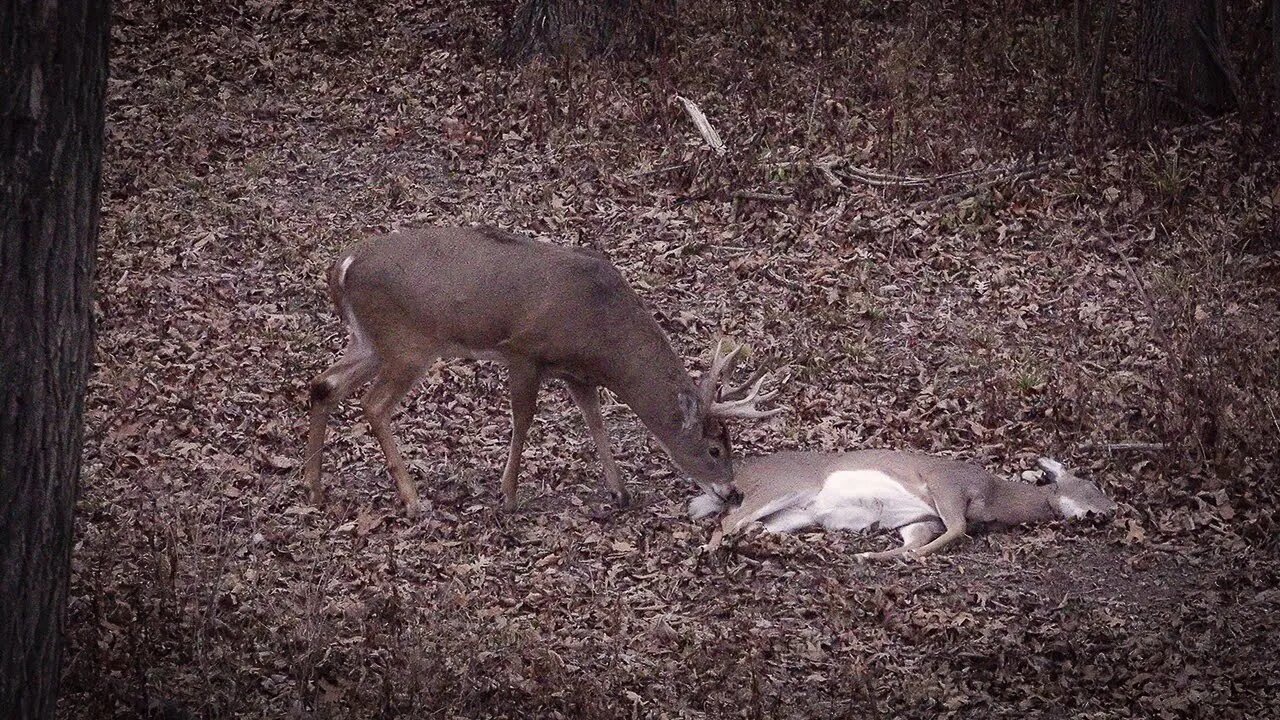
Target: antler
(708, 385)
(717, 402)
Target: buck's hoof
(621, 499)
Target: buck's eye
(714, 451)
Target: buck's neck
(649, 380)
(1015, 503)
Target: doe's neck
(1015, 503)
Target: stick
(704, 126)
(766, 197)
(1127, 445)
(974, 190)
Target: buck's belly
(867, 499)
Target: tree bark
(53, 69)
(1183, 66)
(586, 27)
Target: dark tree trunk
(1098, 68)
(586, 27)
(1275, 53)
(1183, 65)
(53, 70)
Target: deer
(547, 312)
(930, 500)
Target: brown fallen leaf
(367, 522)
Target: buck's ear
(689, 410)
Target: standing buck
(544, 310)
(929, 500)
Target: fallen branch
(870, 177)
(975, 189)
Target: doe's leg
(587, 398)
(524, 381)
(380, 402)
(914, 536)
(952, 505)
(327, 390)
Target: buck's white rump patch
(859, 499)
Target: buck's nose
(727, 492)
(734, 497)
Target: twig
(766, 197)
(658, 171)
(871, 177)
(792, 284)
(1127, 445)
(704, 126)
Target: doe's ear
(689, 410)
(1051, 467)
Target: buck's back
(481, 290)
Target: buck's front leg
(587, 399)
(524, 381)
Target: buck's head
(701, 448)
(1074, 497)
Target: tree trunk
(586, 27)
(1093, 96)
(1275, 54)
(53, 69)
(1183, 66)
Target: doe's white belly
(863, 499)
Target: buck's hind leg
(329, 388)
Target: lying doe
(547, 312)
(929, 500)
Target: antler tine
(720, 362)
(730, 393)
(746, 407)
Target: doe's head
(1073, 496)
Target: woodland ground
(1126, 291)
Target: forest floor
(1102, 289)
